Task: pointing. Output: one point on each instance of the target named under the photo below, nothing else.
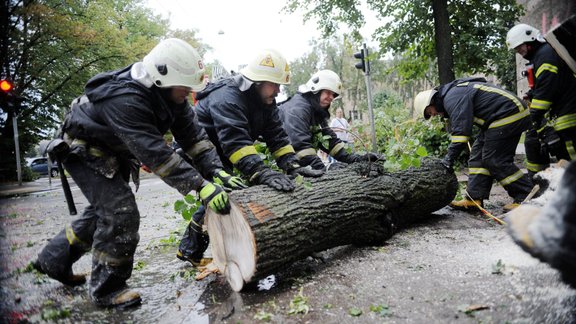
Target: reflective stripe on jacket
(235, 118)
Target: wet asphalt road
(453, 268)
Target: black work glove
(273, 179)
(373, 157)
(368, 157)
(215, 197)
(312, 160)
(337, 166)
(448, 164)
(306, 172)
(228, 181)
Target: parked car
(40, 166)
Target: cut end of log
(234, 276)
(233, 246)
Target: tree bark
(268, 230)
(443, 38)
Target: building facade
(544, 15)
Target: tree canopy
(477, 32)
(50, 48)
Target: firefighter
(552, 98)
(115, 126)
(501, 117)
(305, 118)
(236, 112)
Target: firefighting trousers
(494, 160)
(195, 241)
(109, 226)
(538, 153)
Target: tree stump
(267, 230)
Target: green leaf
(179, 206)
(190, 199)
(421, 151)
(187, 214)
(355, 311)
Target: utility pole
(364, 65)
(11, 102)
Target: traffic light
(6, 86)
(9, 101)
(362, 64)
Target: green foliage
(187, 206)
(299, 304)
(52, 314)
(172, 240)
(318, 139)
(185, 274)
(263, 316)
(301, 69)
(139, 265)
(354, 311)
(405, 140)
(29, 175)
(382, 310)
(265, 154)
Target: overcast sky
(238, 29)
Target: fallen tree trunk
(268, 230)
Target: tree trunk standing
(443, 38)
(268, 230)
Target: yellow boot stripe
(511, 178)
(483, 171)
(460, 138)
(72, 238)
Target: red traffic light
(6, 85)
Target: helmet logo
(315, 79)
(200, 64)
(267, 61)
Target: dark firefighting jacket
(234, 116)
(554, 90)
(472, 101)
(119, 120)
(307, 126)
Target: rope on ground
(484, 211)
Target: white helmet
(521, 34)
(323, 80)
(174, 62)
(269, 66)
(423, 100)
